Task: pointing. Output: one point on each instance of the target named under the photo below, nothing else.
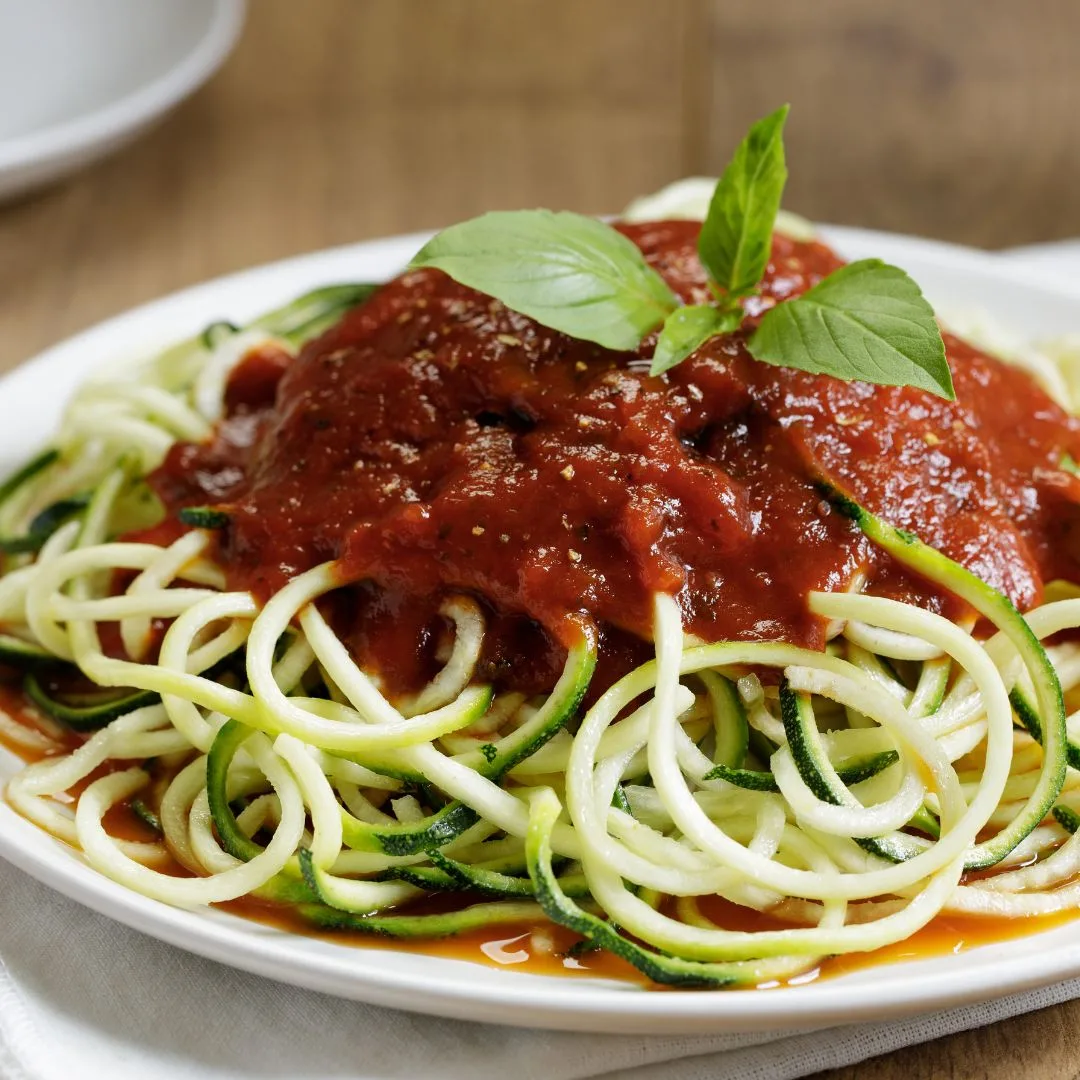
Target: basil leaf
(736, 237)
(566, 271)
(687, 329)
(867, 321)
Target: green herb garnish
(688, 328)
(867, 321)
(736, 236)
(567, 271)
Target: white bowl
(80, 78)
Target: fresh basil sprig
(686, 329)
(867, 321)
(567, 271)
(734, 243)
(736, 236)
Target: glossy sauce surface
(435, 441)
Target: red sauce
(554, 950)
(436, 441)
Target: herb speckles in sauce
(435, 441)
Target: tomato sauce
(550, 949)
(435, 441)
(553, 950)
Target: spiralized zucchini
(844, 792)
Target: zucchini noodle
(844, 792)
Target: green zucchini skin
(412, 838)
(44, 525)
(851, 772)
(227, 742)
(909, 550)
(560, 709)
(309, 315)
(801, 729)
(297, 321)
(497, 884)
(1028, 715)
(204, 517)
(732, 730)
(448, 924)
(749, 779)
(1068, 819)
(426, 836)
(216, 333)
(287, 887)
(27, 472)
(86, 717)
(147, 816)
(423, 877)
(20, 654)
(620, 801)
(562, 910)
(440, 828)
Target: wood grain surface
(958, 119)
(338, 120)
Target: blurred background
(338, 120)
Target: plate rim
(444, 987)
(123, 116)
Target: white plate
(1059, 260)
(80, 78)
(30, 406)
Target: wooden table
(338, 120)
